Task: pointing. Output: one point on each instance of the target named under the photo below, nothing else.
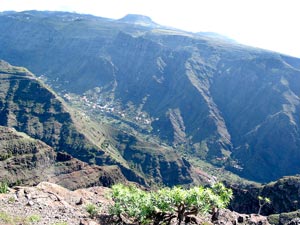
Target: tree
(166, 204)
(262, 201)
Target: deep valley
(87, 101)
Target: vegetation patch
(167, 204)
(16, 220)
(3, 187)
(92, 210)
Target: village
(108, 107)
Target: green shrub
(34, 218)
(274, 219)
(3, 187)
(60, 223)
(5, 156)
(15, 219)
(167, 203)
(11, 199)
(6, 218)
(92, 210)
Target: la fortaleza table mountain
(207, 96)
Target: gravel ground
(50, 204)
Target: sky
(267, 24)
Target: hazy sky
(269, 24)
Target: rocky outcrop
(52, 204)
(139, 20)
(283, 193)
(227, 217)
(27, 161)
(288, 218)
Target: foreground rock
(228, 217)
(50, 204)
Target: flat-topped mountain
(138, 20)
(209, 98)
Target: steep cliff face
(232, 105)
(260, 104)
(174, 93)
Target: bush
(60, 223)
(15, 219)
(166, 204)
(34, 218)
(92, 210)
(3, 187)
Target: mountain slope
(261, 108)
(29, 106)
(27, 161)
(234, 106)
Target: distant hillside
(212, 99)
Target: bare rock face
(53, 204)
(227, 217)
(295, 221)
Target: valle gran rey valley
(129, 122)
